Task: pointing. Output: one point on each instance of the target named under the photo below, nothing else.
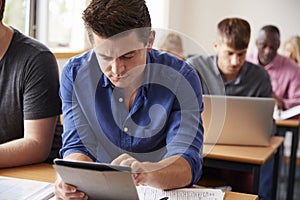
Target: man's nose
(235, 60)
(117, 66)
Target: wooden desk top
(41, 172)
(45, 172)
(288, 122)
(247, 154)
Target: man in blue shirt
(127, 104)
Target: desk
(293, 126)
(244, 158)
(45, 172)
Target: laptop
(236, 120)
(98, 180)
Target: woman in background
(291, 48)
(173, 45)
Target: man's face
(267, 46)
(121, 59)
(230, 61)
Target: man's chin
(120, 84)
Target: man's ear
(150, 40)
(215, 45)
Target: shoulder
(255, 70)
(168, 68)
(288, 63)
(169, 61)
(201, 61)
(79, 62)
(28, 46)
(205, 65)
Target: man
(284, 72)
(127, 104)
(29, 104)
(227, 73)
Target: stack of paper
(23, 189)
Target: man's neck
(6, 35)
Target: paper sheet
(286, 114)
(150, 193)
(23, 189)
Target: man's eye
(128, 55)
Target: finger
(139, 179)
(119, 159)
(127, 162)
(66, 191)
(137, 167)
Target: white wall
(197, 19)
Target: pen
(164, 198)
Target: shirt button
(125, 129)
(120, 100)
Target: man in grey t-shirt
(29, 103)
(227, 73)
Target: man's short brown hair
(235, 32)
(107, 18)
(2, 9)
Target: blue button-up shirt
(165, 118)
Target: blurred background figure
(173, 45)
(291, 48)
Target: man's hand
(64, 191)
(279, 103)
(169, 173)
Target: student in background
(127, 104)
(29, 103)
(291, 49)
(227, 73)
(173, 44)
(284, 72)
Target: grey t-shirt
(29, 84)
(252, 81)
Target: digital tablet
(91, 165)
(98, 180)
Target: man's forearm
(21, 152)
(78, 156)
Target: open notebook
(237, 120)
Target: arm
(34, 147)
(293, 91)
(175, 170)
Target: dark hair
(271, 29)
(107, 18)
(235, 32)
(2, 10)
